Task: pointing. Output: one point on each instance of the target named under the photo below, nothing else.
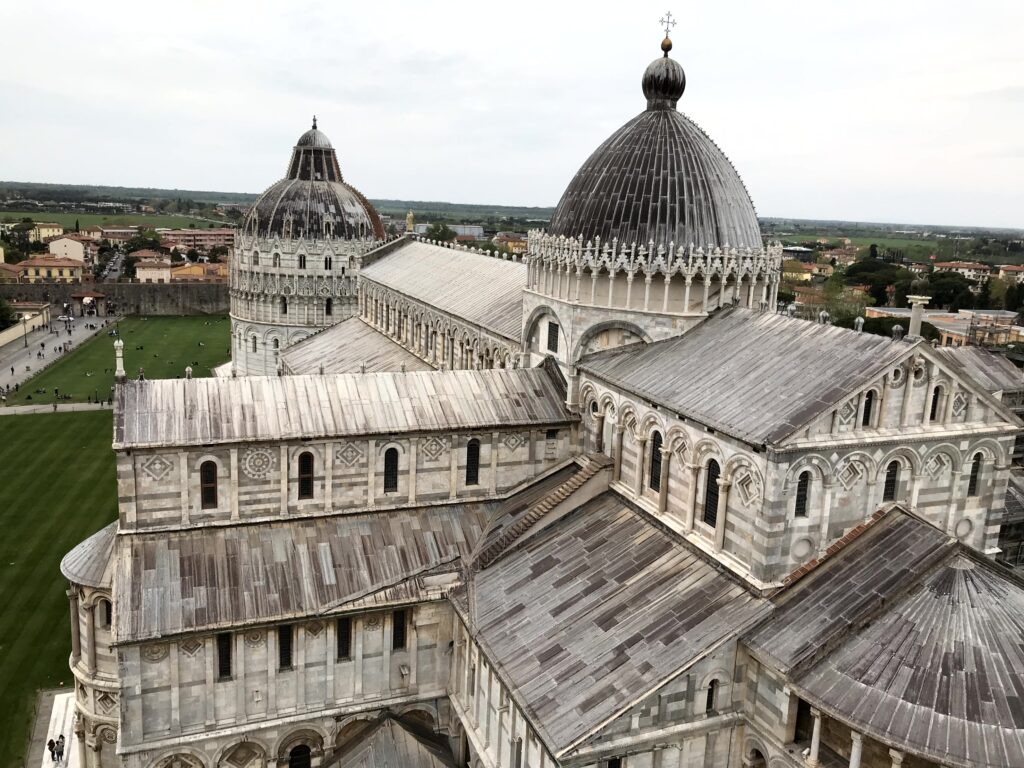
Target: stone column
(947, 412)
(641, 460)
(908, 389)
(599, 442)
(664, 299)
(80, 736)
(90, 631)
(76, 639)
(629, 289)
(593, 286)
(897, 758)
(691, 510)
(707, 288)
(666, 456)
(915, 488)
(917, 304)
(856, 750)
(812, 759)
(617, 452)
(671, 756)
(686, 293)
(611, 288)
(723, 505)
(647, 293)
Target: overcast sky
(902, 110)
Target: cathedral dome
(313, 201)
(659, 178)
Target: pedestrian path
(21, 410)
(62, 721)
(20, 355)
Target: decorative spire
(314, 122)
(668, 22)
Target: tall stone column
(691, 508)
(599, 436)
(666, 457)
(812, 758)
(76, 639)
(90, 631)
(638, 486)
(856, 749)
(723, 505)
(617, 452)
(664, 299)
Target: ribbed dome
(659, 177)
(313, 201)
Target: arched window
(300, 757)
(593, 407)
(302, 261)
(328, 263)
(329, 307)
(256, 258)
(277, 343)
(803, 487)
(391, 470)
(277, 259)
(892, 480)
(208, 484)
(869, 402)
(517, 759)
(253, 343)
(936, 394)
(972, 484)
(105, 613)
(284, 305)
(473, 462)
(711, 493)
(654, 481)
(711, 701)
(306, 475)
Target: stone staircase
(590, 465)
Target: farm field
(147, 220)
(58, 489)
(162, 346)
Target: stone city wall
(131, 298)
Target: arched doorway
(755, 759)
(300, 757)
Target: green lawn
(147, 220)
(168, 345)
(57, 488)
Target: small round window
(918, 374)
(897, 374)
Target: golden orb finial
(666, 45)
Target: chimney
(917, 305)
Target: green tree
(946, 287)
(7, 316)
(1011, 299)
(217, 253)
(147, 238)
(440, 231)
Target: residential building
(201, 239)
(972, 270)
(1012, 272)
(42, 231)
(214, 273)
(44, 269)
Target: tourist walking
(52, 746)
(60, 749)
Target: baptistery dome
(313, 202)
(659, 178)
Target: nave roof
(351, 346)
(174, 412)
(485, 291)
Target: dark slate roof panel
(90, 563)
(390, 745)
(598, 610)
(200, 580)
(822, 605)
(755, 376)
(940, 671)
(658, 178)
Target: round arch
(309, 736)
(538, 313)
(607, 325)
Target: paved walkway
(23, 359)
(21, 410)
(60, 719)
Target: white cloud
(902, 111)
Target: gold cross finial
(668, 22)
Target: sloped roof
(596, 612)
(756, 376)
(346, 348)
(993, 372)
(90, 563)
(194, 580)
(483, 290)
(389, 744)
(911, 638)
(222, 410)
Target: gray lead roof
(755, 376)
(659, 178)
(351, 346)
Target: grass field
(168, 345)
(67, 220)
(58, 488)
